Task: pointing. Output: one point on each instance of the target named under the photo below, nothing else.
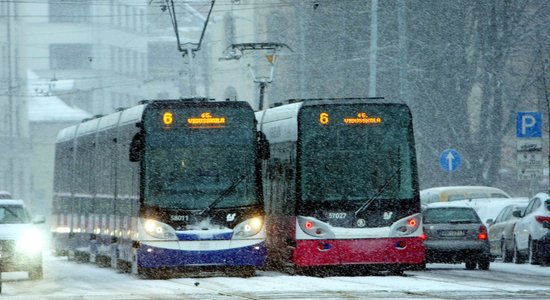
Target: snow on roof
(53, 109)
(489, 208)
(453, 204)
(45, 107)
(12, 202)
(463, 188)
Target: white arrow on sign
(450, 158)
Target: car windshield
(13, 214)
(450, 215)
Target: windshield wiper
(223, 194)
(379, 192)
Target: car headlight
(248, 228)
(158, 229)
(31, 241)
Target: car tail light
(482, 235)
(542, 219)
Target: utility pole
(373, 48)
(188, 49)
(11, 111)
(402, 26)
(192, 83)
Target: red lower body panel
(359, 251)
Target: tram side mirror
(136, 148)
(263, 146)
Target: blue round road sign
(449, 160)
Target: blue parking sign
(528, 125)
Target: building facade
(94, 57)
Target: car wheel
(35, 272)
(545, 258)
(533, 253)
(516, 257)
(505, 252)
(470, 265)
(484, 264)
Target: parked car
(455, 193)
(501, 231)
(489, 208)
(20, 239)
(532, 232)
(455, 234)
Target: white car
(21, 240)
(532, 232)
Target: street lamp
(236, 51)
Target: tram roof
(67, 133)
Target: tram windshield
(189, 166)
(354, 153)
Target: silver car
(455, 234)
(501, 231)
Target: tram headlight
(158, 229)
(408, 226)
(248, 228)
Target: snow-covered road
(70, 280)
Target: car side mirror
(489, 221)
(516, 213)
(39, 219)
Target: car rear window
(450, 215)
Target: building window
(112, 12)
(112, 55)
(141, 21)
(134, 19)
(120, 59)
(163, 59)
(229, 29)
(230, 94)
(118, 16)
(70, 56)
(75, 11)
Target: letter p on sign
(528, 125)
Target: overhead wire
(217, 9)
